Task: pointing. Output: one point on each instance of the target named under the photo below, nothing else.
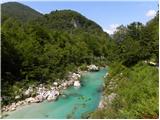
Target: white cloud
(151, 13)
(111, 29)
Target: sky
(108, 14)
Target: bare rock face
(77, 84)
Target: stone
(28, 91)
(51, 98)
(55, 83)
(111, 97)
(53, 95)
(13, 108)
(4, 109)
(92, 68)
(77, 84)
(64, 84)
(30, 100)
(17, 97)
(152, 63)
(39, 98)
(101, 104)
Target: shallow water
(75, 104)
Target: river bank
(74, 100)
(49, 93)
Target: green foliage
(19, 11)
(46, 49)
(137, 93)
(71, 21)
(135, 42)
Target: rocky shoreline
(50, 93)
(107, 100)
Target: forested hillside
(46, 48)
(20, 12)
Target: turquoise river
(76, 103)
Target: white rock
(101, 104)
(53, 95)
(152, 63)
(30, 100)
(39, 98)
(28, 91)
(13, 108)
(64, 84)
(55, 83)
(92, 68)
(51, 98)
(17, 97)
(77, 84)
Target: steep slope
(70, 20)
(19, 11)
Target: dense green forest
(46, 48)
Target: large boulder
(76, 76)
(64, 84)
(28, 91)
(17, 97)
(101, 104)
(51, 98)
(12, 107)
(55, 83)
(39, 98)
(31, 100)
(77, 84)
(92, 68)
(53, 95)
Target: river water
(74, 104)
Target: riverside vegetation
(43, 49)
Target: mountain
(70, 20)
(19, 11)
(63, 20)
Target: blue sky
(108, 14)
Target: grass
(137, 90)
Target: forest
(37, 48)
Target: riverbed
(75, 103)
